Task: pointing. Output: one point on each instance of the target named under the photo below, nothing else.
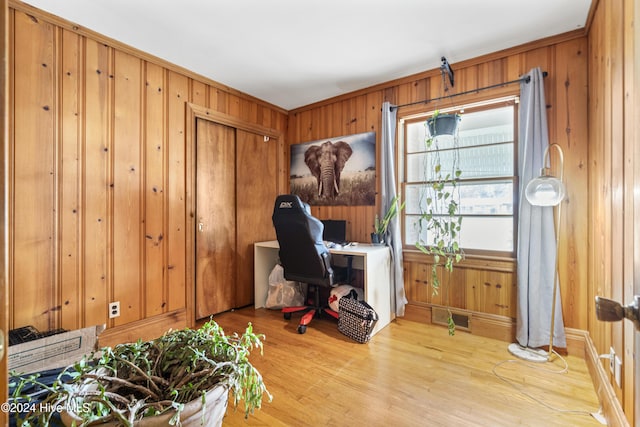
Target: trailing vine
(440, 221)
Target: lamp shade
(545, 191)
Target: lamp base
(528, 354)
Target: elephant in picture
(326, 162)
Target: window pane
(416, 135)
(418, 195)
(486, 127)
(490, 161)
(420, 166)
(487, 198)
(489, 233)
(486, 136)
(480, 198)
(486, 233)
(486, 161)
(412, 198)
(411, 230)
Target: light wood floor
(409, 374)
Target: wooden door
(215, 233)
(256, 179)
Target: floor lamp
(546, 190)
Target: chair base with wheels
(310, 311)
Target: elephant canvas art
(326, 162)
(336, 171)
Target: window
(488, 185)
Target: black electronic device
(335, 231)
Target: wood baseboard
(497, 327)
(145, 329)
(610, 404)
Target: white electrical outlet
(618, 371)
(114, 309)
(612, 360)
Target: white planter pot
(216, 401)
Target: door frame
(195, 112)
(4, 169)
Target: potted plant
(380, 225)
(440, 209)
(443, 124)
(182, 378)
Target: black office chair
(303, 254)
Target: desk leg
(264, 261)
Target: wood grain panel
(5, 56)
(256, 192)
(233, 105)
(492, 292)
(96, 183)
(631, 286)
(178, 219)
(155, 289)
(199, 93)
(128, 171)
(218, 100)
(570, 135)
(599, 171)
(34, 293)
(69, 185)
(418, 284)
(596, 136)
(615, 128)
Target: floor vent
(462, 320)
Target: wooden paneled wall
(614, 179)
(4, 256)
(483, 284)
(98, 174)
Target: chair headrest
(290, 204)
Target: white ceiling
(295, 52)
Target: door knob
(610, 311)
(200, 227)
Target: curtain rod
(526, 79)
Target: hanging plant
(443, 124)
(440, 221)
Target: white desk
(374, 261)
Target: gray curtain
(536, 231)
(388, 192)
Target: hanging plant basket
(443, 124)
